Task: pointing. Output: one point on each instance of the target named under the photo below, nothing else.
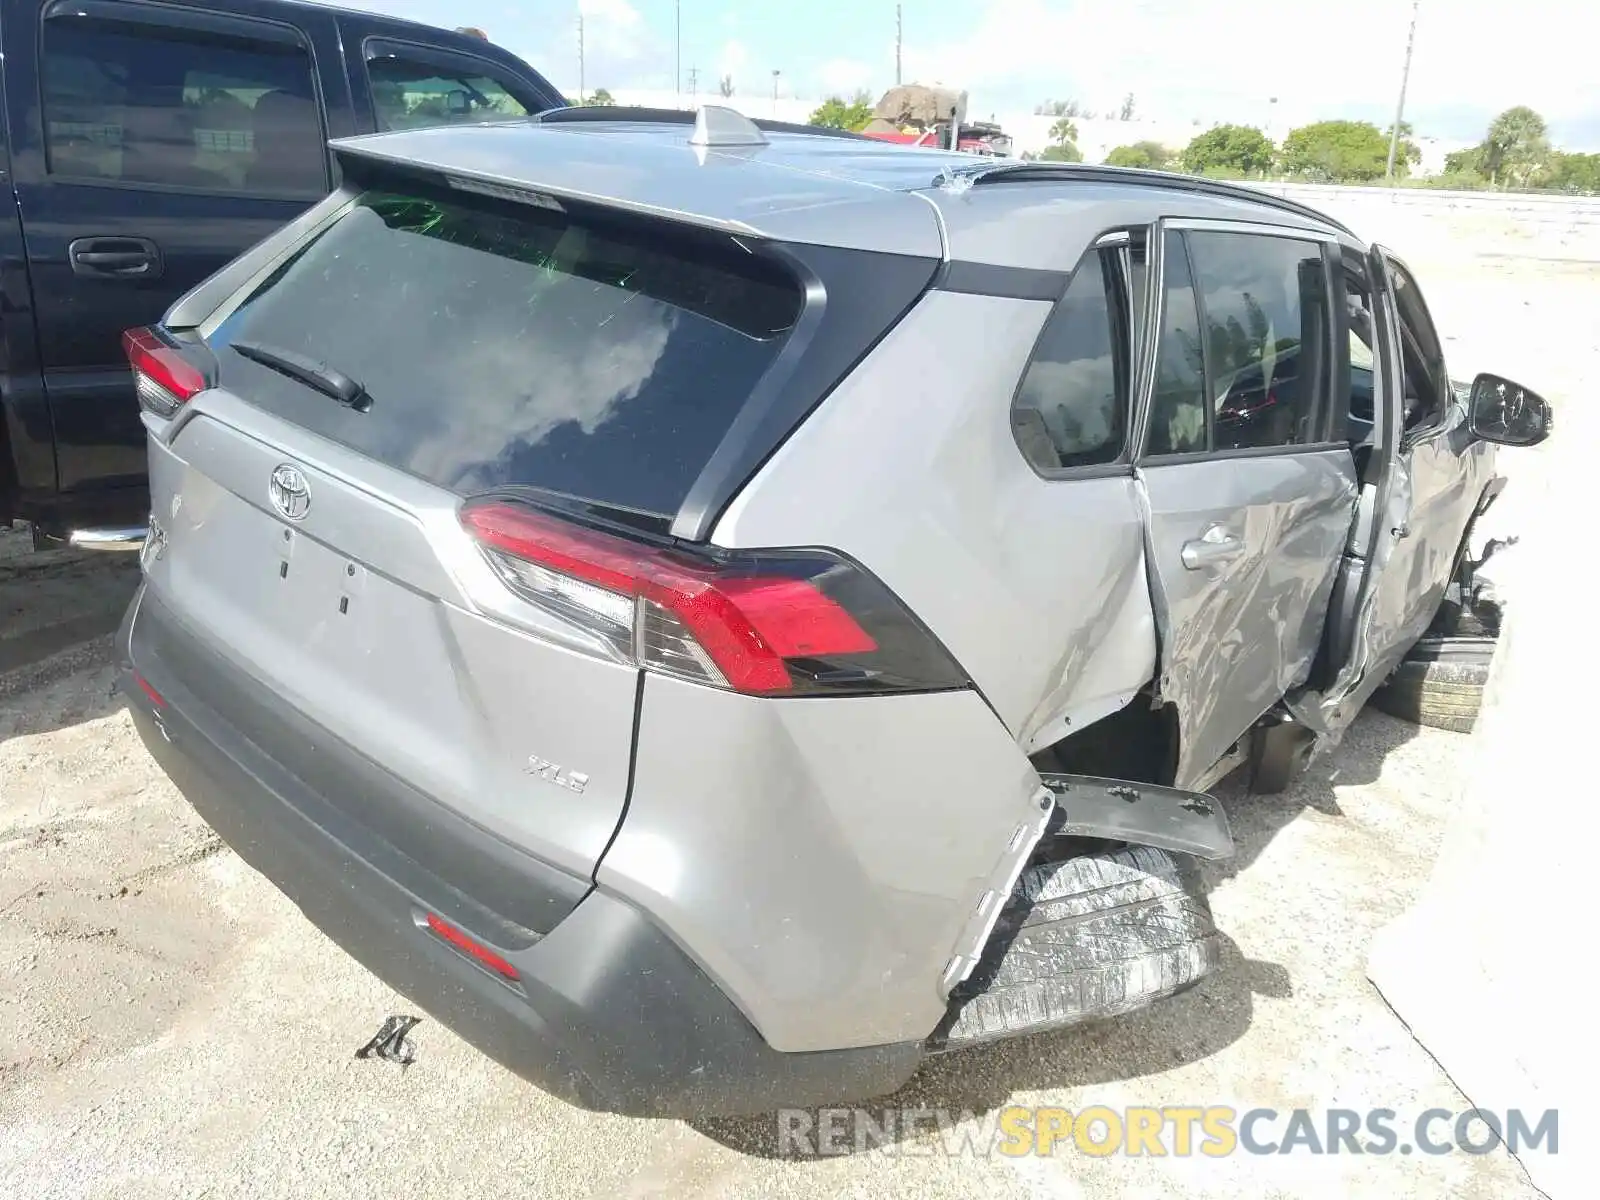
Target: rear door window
(415, 90)
(583, 353)
(1264, 302)
(1245, 346)
(143, 102)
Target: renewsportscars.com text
(1214, 1131)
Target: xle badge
(573, 781)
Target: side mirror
(457, 103)
(1506, 412)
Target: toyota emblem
(291, 494)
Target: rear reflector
(151, 694)
(760, 622)
(165, 379)
(475, 950)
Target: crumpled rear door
(1420, 493)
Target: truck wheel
(1084, 938)
(1440, 683)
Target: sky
(1212, 60)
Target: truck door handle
(115, 258)
(1217, 544)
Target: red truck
(914, 115)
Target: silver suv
(717, 614)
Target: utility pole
(677, 70)
(775, 74)
(899, 38)
(580, 57)
(694, 83)
(1400, 108)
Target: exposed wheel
(1084, 938)
(1440, 683)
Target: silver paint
(417, 673)
(1036, 586)
(831, 863)
(1239, 631)
(819, 858)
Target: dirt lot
(170, 1025)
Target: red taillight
(764, 623)
(165, 378)
(472, 948)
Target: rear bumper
(608, 1012)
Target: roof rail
(1011, 171)
(588, 114)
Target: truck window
(410, 93)
(148, 103)
(154, 104)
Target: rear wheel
(1087, 937)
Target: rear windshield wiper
(330, 381)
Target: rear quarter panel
(1037, 586)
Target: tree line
(1515, 150)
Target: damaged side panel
(1243, 554)
(1376, 622)
(1035, 585)
(1428, 483)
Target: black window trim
(1112, 247)
(156, 17)
(196, 20)
(1182, 226)
(380, 45)
(1336, 414)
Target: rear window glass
(506, 344)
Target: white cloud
(613, 28)
(844, 76)
(1318, 60)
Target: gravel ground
(56, 607)
(170, 1025)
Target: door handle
(115, 258)
(1216, 545)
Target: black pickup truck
(144, 145)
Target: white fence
(1559, 228)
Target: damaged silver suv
(716, 613)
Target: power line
(1400, 108)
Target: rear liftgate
(1118, 925)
